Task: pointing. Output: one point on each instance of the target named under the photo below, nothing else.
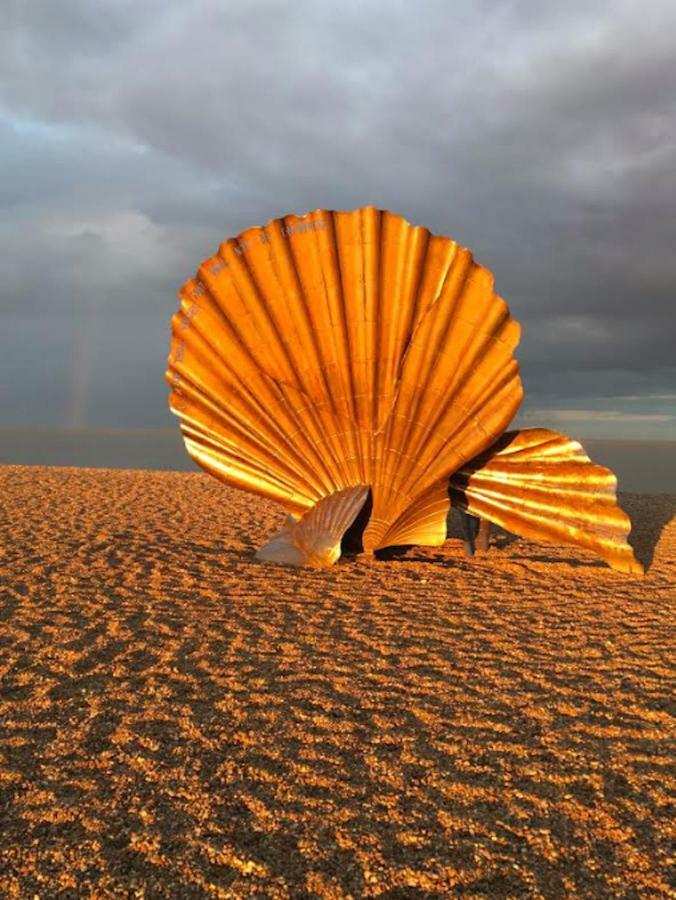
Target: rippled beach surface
(178, 719)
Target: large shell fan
(320, 356)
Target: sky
(136, 136)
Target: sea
(645, 467)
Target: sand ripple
(181, 720)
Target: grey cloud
(136, 136)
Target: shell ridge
(433, 437)
(304, 306)
(281, 381)
(246, 421)
(455, 438)
(228, 429)
(504, 381)
(263, 412)
(260, 323)
(342, 349)
(238, 476)
(549, 443)
(248, 361)
(340, 309)
(199, 437)
(542, 482)
(457, 389)
(419, 369)
(253, 444)
(346, 226)
(204, 438)
(369, 304)
(416, 338)
(405, 375)
(414, 325)
(444, 461)
(264, 408)
(326, 411)
(475, 351)
(196, 330)
(397, 256)
(294, 298)
(334, 352)
(265, 312)
(359, 466)
(284, 302)
(603, 540)
(418, 263)
(310, 439)
(482, 341)
(301, 314)
(580, 509)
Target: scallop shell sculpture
(322, 358)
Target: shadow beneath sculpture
(456, 529)
(352, 543)
(353, 540)
(650, 515)
(495, 537)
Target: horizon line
(119, 429)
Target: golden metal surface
(338, 350)
(542, 485)
(315, 539)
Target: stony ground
(180, 720)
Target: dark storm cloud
(135, 136)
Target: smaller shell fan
(315, 540)
(541, 485)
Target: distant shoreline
(641, 466)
